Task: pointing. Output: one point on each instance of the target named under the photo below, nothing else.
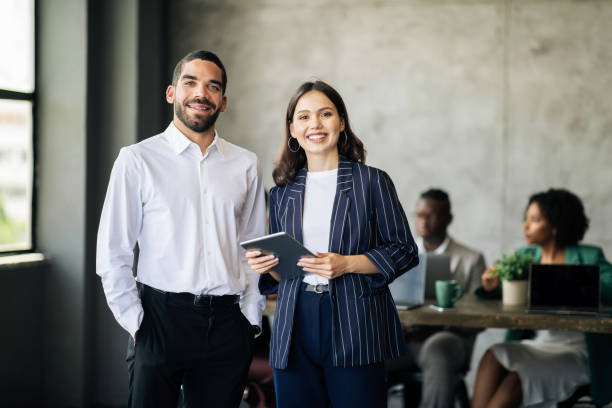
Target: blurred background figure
(441, 353)
(550, 367)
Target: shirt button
(208, 253)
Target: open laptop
(564, 289)
(437, 268)
(419, 283)
(408, 291)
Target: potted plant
(513, 271)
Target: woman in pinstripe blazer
(334, 327)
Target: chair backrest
(580, 392)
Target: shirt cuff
(132, 319)
(252, 313)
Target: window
(16, 123)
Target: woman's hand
(328, 265)
(262, 263)
(489, 282)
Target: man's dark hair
(441, 196)
(564, 211)
(202, 55)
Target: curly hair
(564, 211)
(289, 161)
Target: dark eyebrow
(319, 110)
(195, 78)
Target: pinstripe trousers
(310, 379)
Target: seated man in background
(441, 353)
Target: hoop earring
(345, 139)
(289, 145)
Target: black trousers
(205, 346)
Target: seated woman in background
(551, 366)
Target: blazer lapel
(295, 205)
(342, 203)
(572, 256)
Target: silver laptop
(408, 291)
(419, 283)
(564, 289)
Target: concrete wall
(61, 184)
(490, 100)
(112, 123)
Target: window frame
(32, 97)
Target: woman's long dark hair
(349, 146)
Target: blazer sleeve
(605, 278)
(267, 284)
(394, 251)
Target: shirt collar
(439, 250)
(179, 142)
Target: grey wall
(490, 100)
(61, 196)
(112, 123)
(21, 356)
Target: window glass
(15, 174)
(17, 45)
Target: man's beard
(198, 125)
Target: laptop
(437, 268)
(419, 283)
(564, 289)
(408, 290)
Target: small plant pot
(514, 292)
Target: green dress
(599, 345)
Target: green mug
(447, 292)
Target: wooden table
(471, 312)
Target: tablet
(285, 248)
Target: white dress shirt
(439, 250)
(187, 212)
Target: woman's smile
(316, 137)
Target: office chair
(580, 392)
(413, 380)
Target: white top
(551, 366)
(187, 212)
(319, 195)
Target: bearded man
(187, 197)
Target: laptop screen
(410, 286)
(564, 287)
(438, 268)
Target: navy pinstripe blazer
(367, 218)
